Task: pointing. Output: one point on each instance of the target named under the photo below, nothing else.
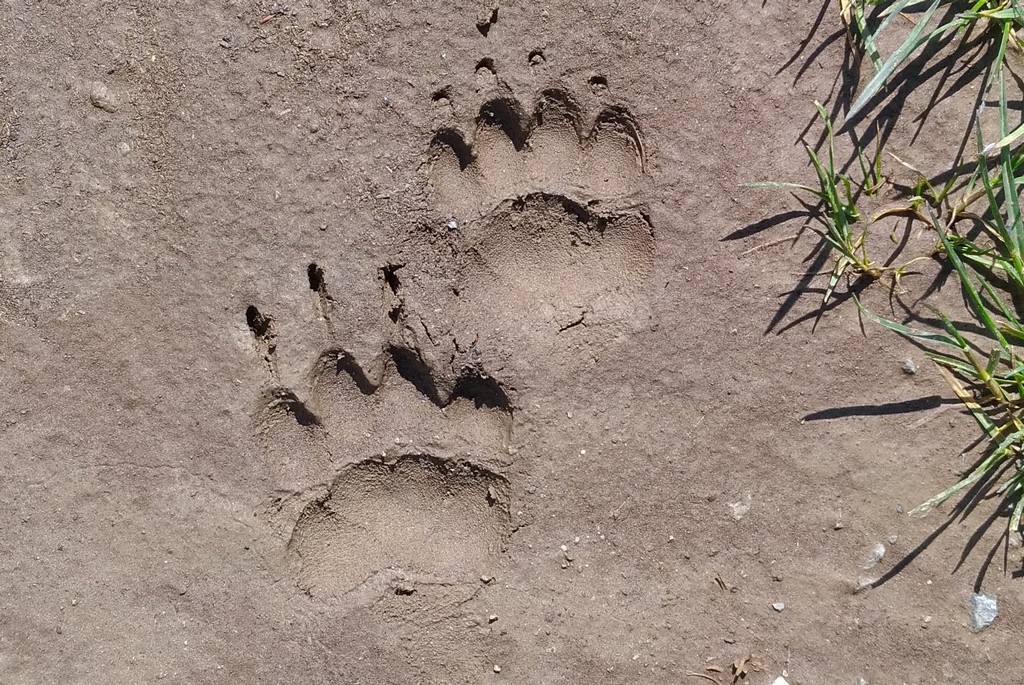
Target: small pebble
(778, 606)
(497, 668)
(452, 225)
(102, 98)
(909, 367)
(740, 509)
(492, 618)
(876, 555)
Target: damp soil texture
(401, 342)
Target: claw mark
(324, 301)
(345, 363)
(262, 328)
(391, 287)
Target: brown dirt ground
(224, 465)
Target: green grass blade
(912, 43)
(1018, 509)
(994, 357)
(977, 474)
(906, 331)
(954, 363)
(971, 293)
(1007, 140)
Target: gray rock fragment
(876, 555)
(983, 609)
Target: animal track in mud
(430, 500)
(546, 255)
(513, 154)
(550, 227)
(415, 511)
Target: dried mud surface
(365, 342)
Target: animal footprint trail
(394, 467)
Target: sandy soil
(366, 342)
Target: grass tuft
(975, 216)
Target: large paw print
(382, 467)
(548, 231)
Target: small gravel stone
(984, 610)
(909, 367)
(778, 606)
(876, 555)
(740, 509)
(497, 668)
(780, 681)
(102, 98)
